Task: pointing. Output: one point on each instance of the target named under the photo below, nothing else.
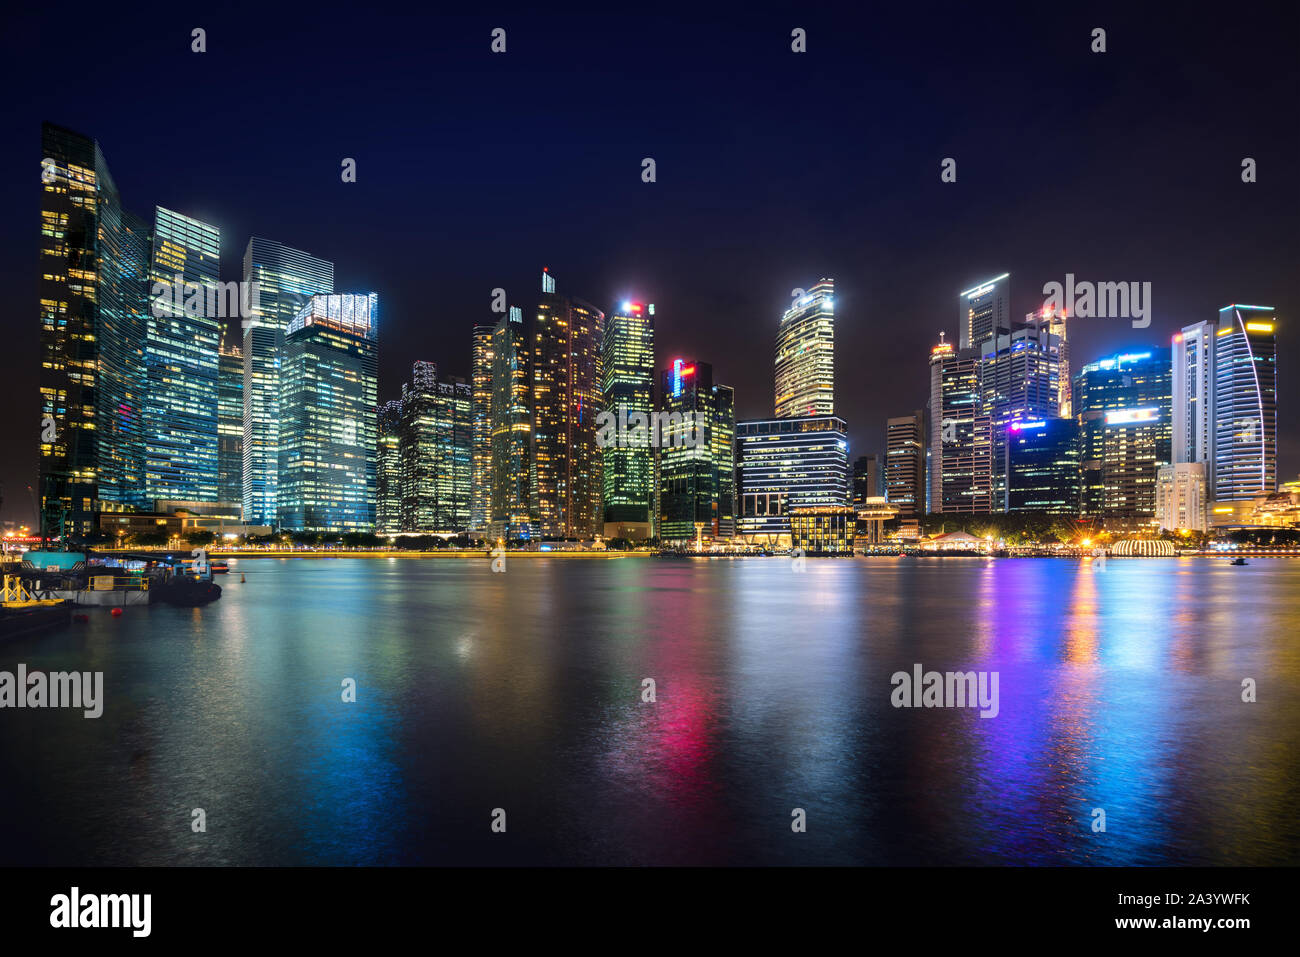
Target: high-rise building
(1182, 498)
(181, 363)
(1042, 466)
(805, 354)
(435, 445)
(1019, 378)
(510, 511)
(388, 469)
(788, 463)
(960, 479)
(480, 508)
(566, 341)
(328, 406)
(628, 390)
(984, 311)
(1122, 404)
(697, 495)
(94, 258)
(866, 479)
(286, 278)
(905, 464)
(1193, 395)
(230, 425)
(1245, 403)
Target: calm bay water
(1119, 690)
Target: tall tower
(1245, 403)
(983, 311)
(481, 426)
(961, 452)
(697, 495)
(566, 343)
(328, 406)
(286, 278)
(230, 424)
(1193, 395)
(94, 259)
(435, 452)
(905, 464)
(181, 361)
(805, 354)
(388, 469)
(627, 392)
(510, 515)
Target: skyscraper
(510, 515)
(1019, 378)
(1193, 395)
(784, 464)
(866, 478)
(1122, 404)
(1043, 466)
(961, 450)
(435, 448)
(230, 425)
(805, 354)
(481, 411)
(697, 498)
(388, 469)
(983, 311)
(328, 405)
(905, 464)
(181, 363)
(286, 278)
(94, 259)
(566, 340)
(627, 390)
(1245, 403)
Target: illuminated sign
(1132, 416)
(1259, 326)
(1017, 426)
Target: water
(1119, 690)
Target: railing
(119, 583)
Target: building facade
(434, 451)
(905, 464)
(1245, 403)
(230, 425)
(805, 354)
(1042, 466)
(480, 508)
(1182, 499)
(960, 477)
(388, 469)
(983, 311)
(328, 406)
(783, 464)
(697, 494)
(627, 389)
(510, 508)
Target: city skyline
(894, 282)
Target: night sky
(475, 170)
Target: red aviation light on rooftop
(1178, 337)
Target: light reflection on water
(1119, 690)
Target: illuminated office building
(628, 390)
(480, 507)
(510, 512)
(181, 362)
(435, 446)
(697, 494)
(1019, 378)
(566, 340)
(984, 311)
(805, 354)
(960, 479)
(1042, 466)
(94, 258)
(230, 425)
(784, 464)
(328, 406)
(1182, 497)
(905, 464)
(388, 469)
(1245, 403)
(1122, 405)
(1192, 390)
(866, 478)
(286, 278)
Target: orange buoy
(116, 612)
(242, 578)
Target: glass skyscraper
(286, 278)
(94, 258)
(783, 464)
(1122, 404)
(805, 354)
(961, 448)
(328, 406)
(905, 464)
(434, 452)
(230, 425)
(628, 389)
(984, 311)
(388, 470)
(697, 493)
(1043, 466)
(181, 460)
(510, 515)
(1245, 403)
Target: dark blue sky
(476, 170)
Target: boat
(187, 592)
(1239, 561)
(23, 613)
(219, 567)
